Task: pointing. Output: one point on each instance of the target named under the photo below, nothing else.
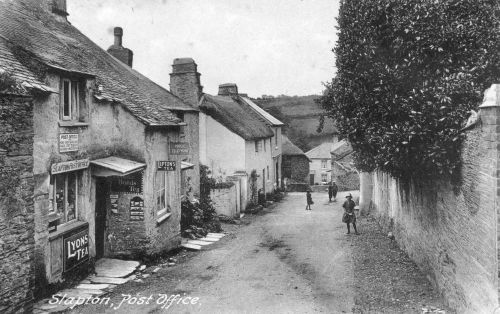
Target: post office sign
(68, 142)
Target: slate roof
(28, 26)
(321, 151)
(341, 149)
(266, 115)
(236, 115)
(290, 149)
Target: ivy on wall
(408, 73)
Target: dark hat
(348, 195)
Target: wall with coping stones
(16, 204)
(451, 231)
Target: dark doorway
(277, 174)
(101, 189)
(311, 179)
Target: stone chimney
(121, 53)
(228, 89)
(185, 81)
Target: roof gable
(266, 115)
(321, 151)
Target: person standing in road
(332, 191)
(349, 216)
(309, 199)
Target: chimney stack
(228, 89)
(59, 8)
(185, 81)
(123, 54)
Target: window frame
(324, 163)
(52, 197)
(166, 210)
(73, 99)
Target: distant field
(301, 116)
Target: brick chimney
(58, 8)
(185, 81)
(121, 53)
(228, 89)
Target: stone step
(219, 235)
(108, 267)
(191, 246)
(207, 239)
(199, 242)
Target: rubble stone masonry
(450, 230)
(16, 204)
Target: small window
(324, 163)
(258, 146)
(63, 196)
(180, 115)
(324, 177)
(70, 102)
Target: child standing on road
(309, 200)
(349, 216)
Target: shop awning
(186, 165)
(115, 166)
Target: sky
(266, 47)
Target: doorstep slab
(207, 239)
(219, 235)
(109, 267)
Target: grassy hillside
(301, 116)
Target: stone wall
(296, 168)
(16, 205)
(225, 201)
(450, 231)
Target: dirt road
(284, 260)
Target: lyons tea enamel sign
(76, 249)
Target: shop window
(63, 196)
(163, 191)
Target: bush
(408, 73)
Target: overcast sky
(267, 47)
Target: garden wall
(450, 231)
(225, 201)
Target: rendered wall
(451, 231)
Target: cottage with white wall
(321, 166)
(236, 141)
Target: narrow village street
(282, 260)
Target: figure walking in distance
(349, 217)
(309, 199)
(332, 191)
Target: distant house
(236, 141)
(343, 171)
(320, 169)
(102, 151)
(295, 163)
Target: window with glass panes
(324, 163)
(163, 191)
(63, 196)
(69, 100)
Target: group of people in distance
(349, 217)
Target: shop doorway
(100, 215)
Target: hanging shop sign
(131, 184)
(136, 209)
(166, 165)
(76, 249)
(67, 166)
(68, 142)
(179, 148)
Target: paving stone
(110, 280)
(90, 286)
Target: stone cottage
(108, 147)
(295, 163)
(236, 141)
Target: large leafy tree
(408, 73)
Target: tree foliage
(408, 72)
